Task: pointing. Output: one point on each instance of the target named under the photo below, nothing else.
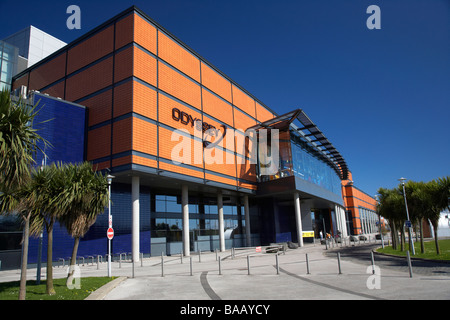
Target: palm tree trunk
(402, 239)
(50, 290)
(435, 227)
(73, 262)
(23, 272)
(422, 246)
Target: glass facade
(167, 224)
(8, 64)
(298, 158)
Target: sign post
(110, 232)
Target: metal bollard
(339, 262)
(190, 258)
(181, 257)
(141, 254)
(199, 255)
(408, 257)
(132, 267)
(277, 264)
(307, 265)
(373, 262)
(248, 264)
(98, 262)
(220, 266)
(162, 265)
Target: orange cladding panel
(123, 98)
(48, 72)
(144, 66)
(215, 82)
(99, 143)
(99, 107)
(144, 136)
(243, 101)
(122, 135)
(179, 85)
(262, 114)
(123, 64)
(217, 107)
(166, 105)
(90, 80)
(124, 31)
(144, 34)
(91, 49)
(174, 54)
(144, 100)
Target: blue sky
(382, 97)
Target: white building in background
(444, 225)
(34, 45)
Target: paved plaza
(355, 280)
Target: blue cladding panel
(63, 125)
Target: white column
(221, 224)
(247, 222)
(298, 219)
(344, 222)
(185, 231)
(135, 218)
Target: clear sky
(382, 97)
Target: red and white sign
(110, 233)
(258, 249)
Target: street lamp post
(411, 242)
(109, 177)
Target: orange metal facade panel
(99, 143)
(228, 169)
(179, 169)
(215, 82)
(262, 114)
(144, 66)
(178, 85)
(123, 64)
(166, 105)
(121, 161)
(215, 178)
(144, 100)
(246, 170)
(91, 49)
(99, 107)
(144, 161)
(122, 135)
(177, 56)
(56, 90)
(48, 72)
(243, 101)
(217, 108)
(144, 136)
(124, 31)
(90, 80)
(144, 34)
(22, 81)
(166, 145)
(242, 121)
(123, 98)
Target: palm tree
(18, 145)
(391, 207)
(85, 197)
(439, 193)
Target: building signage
(206, 128)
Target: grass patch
(430, 250)
(10, 290)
